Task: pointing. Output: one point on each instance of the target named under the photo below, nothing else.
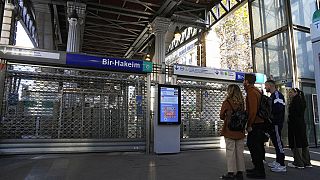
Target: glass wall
(275, 54)
(272, 57)
(304, 55)
(302, 11)
(312, 130)
(267, 16)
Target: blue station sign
(107, 63)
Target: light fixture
(177, 34)
(148, 57)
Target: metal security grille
(200, 107)
(60, 103)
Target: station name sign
(106, 63)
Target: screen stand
(166, 137)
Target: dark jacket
(278, 108)
(252, 104)
(296, 126)
(225, 115)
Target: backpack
(238, 120)
(265, 111)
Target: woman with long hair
(234, 139)
(297, 136)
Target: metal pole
(293, 58)
(252, 37)
(148, 115)
(3, 69)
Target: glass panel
(302, 11)
(267, 16)
(272, 57)
(304, 54)
(312, 129)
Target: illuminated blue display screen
(169, 104)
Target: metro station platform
(187, 165)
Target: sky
(22, 38)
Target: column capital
(79, 7)
(160, 24)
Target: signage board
(204, 72)
(221, 74)
(12, 51)
(107, 63)
(315, 26)
(169, 105)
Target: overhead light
(148, 57)
(177, 34)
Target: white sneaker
(279, 169)
(294, 166)
(273, 164)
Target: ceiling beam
(119, 8)
(95, 25)
(111, 38)
(109, 32)
(107, 40)
(138, 23)
(121, 13)
(103, 49)
(145, 3)
(121, 27)
(95, 45)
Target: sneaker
(294, 166)
(308, 166)
(273, 164)
(279, 169)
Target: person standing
(255, 128)
(298, 141)
(277, 119)
(234, 139)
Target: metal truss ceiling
(120, 28)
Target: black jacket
(296, 126)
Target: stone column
(8, 24)
(73, 43)
(160, 26)
(76, 14)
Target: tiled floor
(188, 165)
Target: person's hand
(249, 129)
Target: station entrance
(60, 109)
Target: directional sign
(204, 72)
(28, 52)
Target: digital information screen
(169, 103)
